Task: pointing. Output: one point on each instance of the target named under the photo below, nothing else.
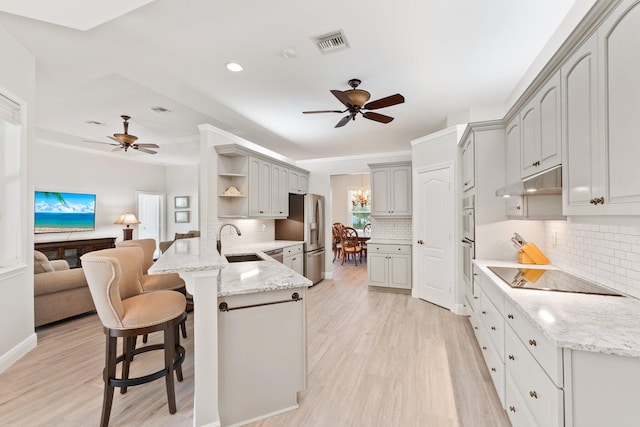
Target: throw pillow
(41, 263)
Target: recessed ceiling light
(289, 53)
(160, 110)
(234, 66)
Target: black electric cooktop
(549, 280)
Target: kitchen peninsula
(249, 332)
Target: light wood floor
(374, 359)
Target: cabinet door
(297, 264)
(515, 206)
(298, 182)
(468, 164)
(400, 271)
(380, 200)
(259, 187)
(619, 62)
(530, 146)
(377, 269)
(581, 174)
(279, 191)
(400, 190)
(549, 129)
(512, 148)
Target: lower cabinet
(294, 258)
(389, 265)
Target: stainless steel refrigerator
(306, 223)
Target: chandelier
(361, 199)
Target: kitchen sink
(244, 258)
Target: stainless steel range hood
(544, 183)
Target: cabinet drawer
(392, 249)
(540, 395)
(491, 290)
(292, 250)
(495, 366)
(517, 411)
(493, 323)
(543, 350)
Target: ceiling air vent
(331, 42)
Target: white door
(433, 244)
(150, 216)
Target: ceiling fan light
(234, 66)
(358, 96)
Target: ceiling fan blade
(116, 140)
(385, 102)
(323, 111)
(377, 117)
(147, 145)
(342, 97)
(343, 121)
(144, 150)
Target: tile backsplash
(608, 254)
(253, 231)
(391, 228)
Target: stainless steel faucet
(218, 241)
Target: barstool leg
(176, 352)
(169, 351)
(109, 373)
(128, 346)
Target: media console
(72, 250)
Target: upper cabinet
(298, 182)
(540, 129)
(468, 163)
(391, 189)
(601, 101)
(251, 185)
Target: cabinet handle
(475, 327)
(493, 370)
(509, 316)
(600, 200)
(484, 348)
(261, 211)
(493, 328)
(511, 357)
(475, 297)
(517, 208)
(512, 408)
(533, 394)
(420, 242)
(466, 183)
(484, 312)
(533, 343)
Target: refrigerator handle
(320, 219)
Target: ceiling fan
(354, 99)
(126, 140)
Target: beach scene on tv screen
(64, 212)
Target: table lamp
(127, 219)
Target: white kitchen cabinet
(259, 187)
(298, 182)
(391, 189)
(293, 258)
(468, 163)
(279, 191)
(389, 266)
(261, 354)
(512, 151)
(600, 105)
(540, 121)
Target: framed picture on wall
(181, 202)
(182, 216)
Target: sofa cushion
(41, 263)
(59, 281)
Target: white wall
(17, 337)
(113, 179)
(182, 181)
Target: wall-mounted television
(64, 212)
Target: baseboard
(17, 352)
(460, 310)
(390, 290)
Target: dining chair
(336, 240)
(126, 312)
(350, 245)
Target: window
(360, 214)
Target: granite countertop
(596, 323)
(378, 241)
(194, 255)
